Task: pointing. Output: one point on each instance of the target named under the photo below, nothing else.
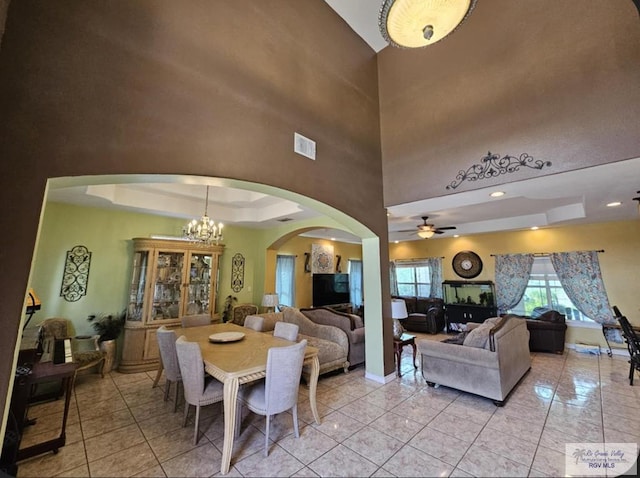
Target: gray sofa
(332, 343)
(491, 361)
(351, 324)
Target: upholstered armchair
(240, 312)
(490, 362)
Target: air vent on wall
(284, 219)
(304, 146)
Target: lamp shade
(269, 300)
(419, 23)
(398, 309)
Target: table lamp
(270, 301)
(398, 311)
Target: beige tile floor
(120, 426)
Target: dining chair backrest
(195, 320)
(191, 369)
(167, 345)
(254, 322)
(286, 331)
(284, 368)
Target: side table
(398, 345)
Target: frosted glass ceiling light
(419, 23)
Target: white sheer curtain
(285, 279)
(355, 282)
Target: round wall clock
(467, 264)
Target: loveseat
(490, 362)
(426, 314)
(332, 343)
(351, 324)
(546, 332)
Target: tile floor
(120, 426)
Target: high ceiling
(578, 197)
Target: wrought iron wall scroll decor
(76, 274)
(493, 165)
(237, 272)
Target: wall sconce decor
(237, 272)
(493, 165)
(76, 274)
(338, 259)
(307, 260)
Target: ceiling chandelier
(204, 231)
(419, 23)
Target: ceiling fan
(427, 230)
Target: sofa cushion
(478, 337)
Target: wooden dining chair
(278, 392)
(199, 390)
(286, 331)
(167, 345)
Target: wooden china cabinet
(169, 279)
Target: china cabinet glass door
(168, 285)
(198, 284)
(135, 308)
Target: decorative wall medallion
(321, 259)
(76, 274)
(467, 264)
(237, 272)
(493, 165)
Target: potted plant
(108, 327)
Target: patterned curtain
(580, 277)
(512, 277)
(393, 281)
(435, 267)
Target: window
(285, 280)
(413, 279)
(355, 282)
(544, 292)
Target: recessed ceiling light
(456, 235)
(396, 242)
(614, 204)
(535, 228)
(497, 194)
(333, 238)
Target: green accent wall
(107, 234)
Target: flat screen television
(329, 289)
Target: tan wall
(517, 77)
(619, 262)
(198, 88)
(297, 246)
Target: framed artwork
(321, 259)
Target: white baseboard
(377, 378)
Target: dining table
(237, 355)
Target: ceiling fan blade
(447, 228)
(406, 230)
(438, 231)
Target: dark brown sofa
(426, 314)
(546, 332)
